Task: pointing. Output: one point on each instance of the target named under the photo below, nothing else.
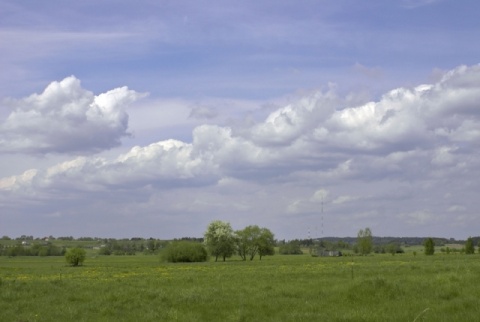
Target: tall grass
(278, 288)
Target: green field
(403, 287)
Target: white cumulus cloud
(66, 118)
(395, 158)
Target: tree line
(469, 247)
(221, 241)
(36, 249)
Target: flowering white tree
(220, 239)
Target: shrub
(104, 251)
(75, 256)
(429, 244)
(290, 248)
(469, 248)
(185, 251)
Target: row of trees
(222, 241)
(365, 245)
(429, 245)
(32, 250)
(131, 247)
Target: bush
(104, 251)
(290, 248)
(429, 244)
(185, 251)
(469, 248)
(75, 256)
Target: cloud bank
(65, 118)
(409, 158)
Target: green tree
(469, 248)
(429, 245)
(246, 241)
(253, 240)
(220, 239)
(266, 243)
(75, 256)
(365, 241)
(151, 245)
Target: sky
(311, 118)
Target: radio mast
(321, 235)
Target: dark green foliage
(37, 249)
(253, 240)
(65, 238)
(394, 248)
(85, 239)
(17, 250)
(191, 239)
(290, 248)
(429, 245)
(121, 247)
(75, 256)
(266, 243)
(447, 250)
(246, 241)
(390, 248)
(46, 250)
(104, 251)
(469, 248)
(326, 245)
(131, 246)
(476, 240)
(364, 241)
(154, 246)
(184, 251)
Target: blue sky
(153, 118)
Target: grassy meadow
(403, 287)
